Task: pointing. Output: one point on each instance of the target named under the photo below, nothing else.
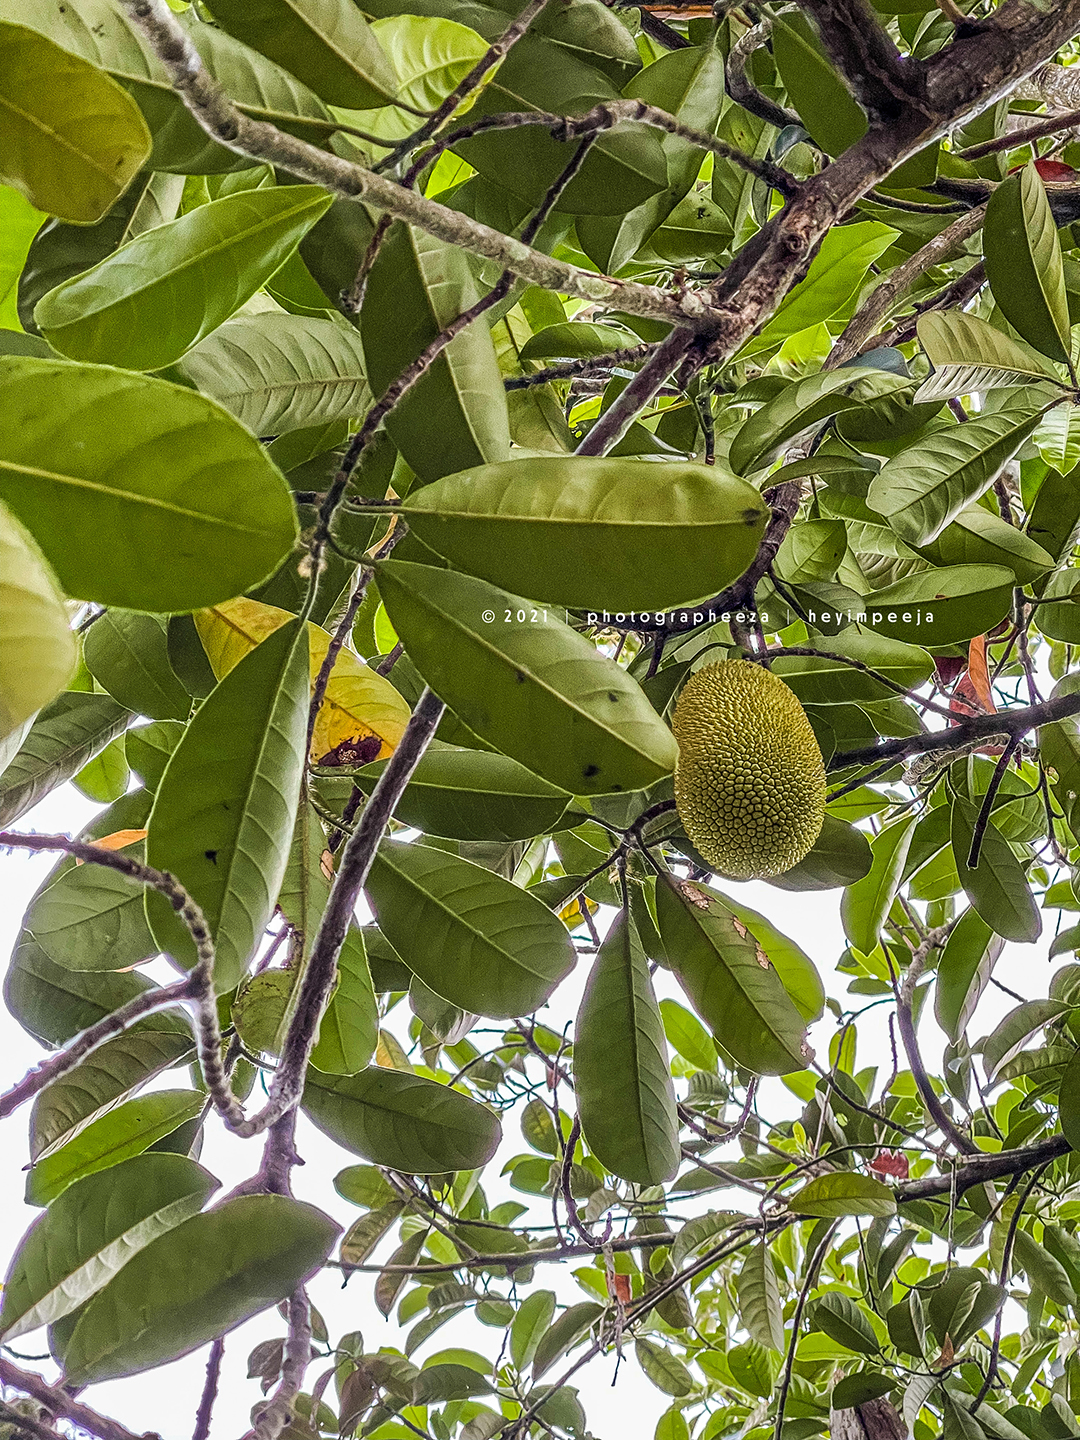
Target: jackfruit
(750, 780)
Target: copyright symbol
(488, 616)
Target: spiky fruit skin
(750, 780)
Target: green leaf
(474, 938)
(198, 1281)
(663, 1368)
(128, 655)
(147, 304)
(402, 1121)
(978, 537)
(830, 1196)
(1023, 263)
(106, 777)
(575, 340)
(108, 1074)
(92, 1230)
(927, 485)
(866, 903)
(305, 887)
(569, 1329)
(154, 500)
(840, 856)
(364, 1234)
(537, 691)
(277, 373)
(859, 1389)
(73, 138)
(37, 649)
(585, 532)
(19, 223)
(1043, 1271)
(759, 1298)
(148, 747)
(824, 103)
(943, 606)
(325, 43)
(730, 983)
(87, 917)
(455, 416)
(625, 1095)
(834, 279)
(839, 1317)
(54, 1004)
(429, 55)
(997, 887)
(1069, 1101)
(795, 968)
(224, 812)
(1015, 1030)
(100, 33)
(963, 972)
(474, 795)
(349, 1031)
(969, 355)
(530, 1324)
(117, 1135)
(688, 1036)
(820, 680)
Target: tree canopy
(400, 401)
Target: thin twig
(209, 1391)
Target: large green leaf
(963, 972)
(54, 1004)
(37, 648)
(758, 1292)
(402, 1121)
(997, 887)
(325, 43)
(806, 403)
(140, 493)
(66, 734)
(91, 1231)
(99, 32)
(151, 301)
(1023, 263)
(91, 918)
(866, 903)
(474, 795)
(979, 537)
(834, 279)
(929, 483)
(822, 680)
(118, 1135)
(795, 968)
(349, 1030)
(625, 1096)
(831, 1196)
(730, 981)
(1013, 1032)
(224, 812)
(941, 607)
(475, 939)
(969, 355)
(430, 57)
(578, 531)
(19, 223)
(128, 655)
(535, 689)
(199, 1280)
(277, 372)
(108, 1074)
(825, 104)
(73, 138)
(455, 416)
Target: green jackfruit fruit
(750, 780)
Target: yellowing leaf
(358, 701)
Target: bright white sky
(165, 1399)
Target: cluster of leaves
(304, 585)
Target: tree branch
(353, 870)
(60, 1403)
(276, 1414)
(879, 77)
